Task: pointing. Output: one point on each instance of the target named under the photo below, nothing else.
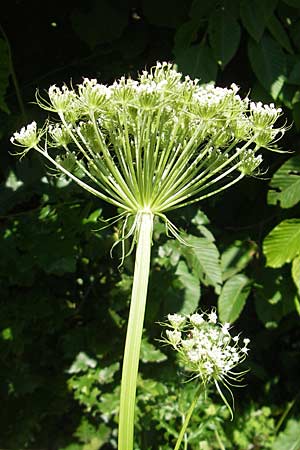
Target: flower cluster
(157, 143)
(206, 347)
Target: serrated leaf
(282, 244)
(285, 184)
(191, 286)
(236, 257)
(268, 63)
(203, 258)
(255, 16)
(223, 43)
(4, 74)
(233, 298)
(296, 272)
(197, 61)
(289, 439)
(279, 33)
(149, 353)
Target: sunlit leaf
(149, 353)
(191, 286)
(296, 272)
(289, 439)
(233, 298)
(285, 184)
(282, 244)
(203, 258)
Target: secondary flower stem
(134, 331)
(188, 416)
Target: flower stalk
(134, 331)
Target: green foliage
(289, 439)
(64, 301)
(233, 297)
(285, 184)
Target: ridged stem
(134, 331)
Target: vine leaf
(285, 184)
(233, 297)
(282, 244)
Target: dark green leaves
(95, 25)
(255, 16)
(224, 36)
(198, 62)
(268, 62)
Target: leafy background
(64, 300)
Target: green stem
(187, 419)
(134, 331)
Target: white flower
(212, 317)
(27, 137)
(176, 320)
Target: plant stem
(187, 419)
(134, 331)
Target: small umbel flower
(207, 349)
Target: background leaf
(233, 297)
(289, 439)
(285, 184)
(191, 286)
(204, 260)
(223, 43)
(282, 244)
(268, 62)
(198, 62)
(255, 16)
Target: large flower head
(153, 144)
